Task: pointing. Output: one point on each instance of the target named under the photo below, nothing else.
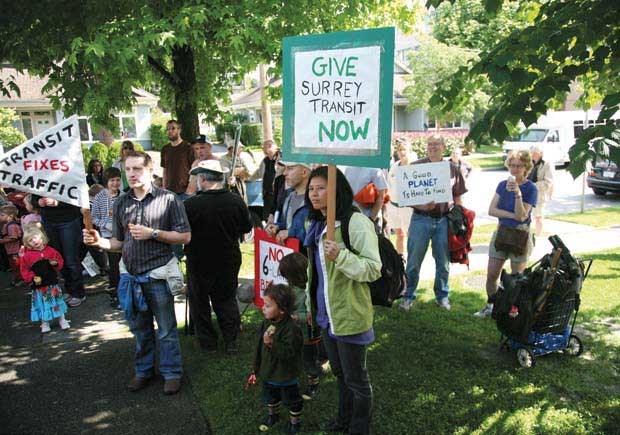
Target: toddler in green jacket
(278, 359)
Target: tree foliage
(432, 65)
(191, 51)
(568, 42)
(9, 135)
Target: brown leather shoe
(137, 383)
(172, 386)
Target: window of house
(127, 124)
(432, 123)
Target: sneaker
(444, 303)
(64, 324)
(66, 297)
(406, 304)
(268, 422)
(76, 302)
(172, 386)
(310, 391)
(486, 311)
(45, 327)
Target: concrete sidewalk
(75, 381)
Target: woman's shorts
(501, 255)
(399, 217)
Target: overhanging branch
(157, 66)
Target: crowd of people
(198, 210)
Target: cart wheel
(574, 346)
(525, 358)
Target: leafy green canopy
(568, 42)
(190, 51)
(431, 66)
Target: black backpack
(515, 291)
(391, 284)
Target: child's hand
(268, 337)
(37, 279)
(54, 263)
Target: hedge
(453, 139)
(107, 154)
(251, 134)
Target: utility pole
(265, 107)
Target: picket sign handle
(87, 218)
(331, 202)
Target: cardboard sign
(337, 105)
(424, 182)
(267, 255)
(49, 165)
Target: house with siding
(36, 113)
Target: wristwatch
(155, 234)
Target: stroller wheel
(525, 358)
(574, 346)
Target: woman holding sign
(340, 296)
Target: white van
(554, 141)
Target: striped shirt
(160, 209)
(101, 210)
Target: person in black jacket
(278, 358)
(217, 218)
(95, 172)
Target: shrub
(453, 139)
(159, 138)
(252, 134)
(100, 152)
(9, 135)
(222, 129)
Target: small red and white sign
(267, 255)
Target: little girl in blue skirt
(39, 266)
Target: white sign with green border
(337, 105)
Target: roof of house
(31, 90)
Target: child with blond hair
(39, 266)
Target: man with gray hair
(542, 176)
(218, 218)
(429, 224)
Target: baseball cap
(232, 145)
(209, 165)
(202, 138)
(305, 165)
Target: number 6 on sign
(267, 255)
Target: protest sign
(337, 103)
(422, 183)
(50, 165)
(267, 255)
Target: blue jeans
(348, 364)
(422, 230)
(66, 238)
(161, 306)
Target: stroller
(536, 311)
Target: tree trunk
(185, 106)
(265, 106)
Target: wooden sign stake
(331, 201)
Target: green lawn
(488, 149)
(602, 217)
(441, 372)
(490, 162)
(482, 234)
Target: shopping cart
(536, 311)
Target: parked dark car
(603, 178)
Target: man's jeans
(66, 238)
(161, 306)
(348, 364)
(422, 230)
